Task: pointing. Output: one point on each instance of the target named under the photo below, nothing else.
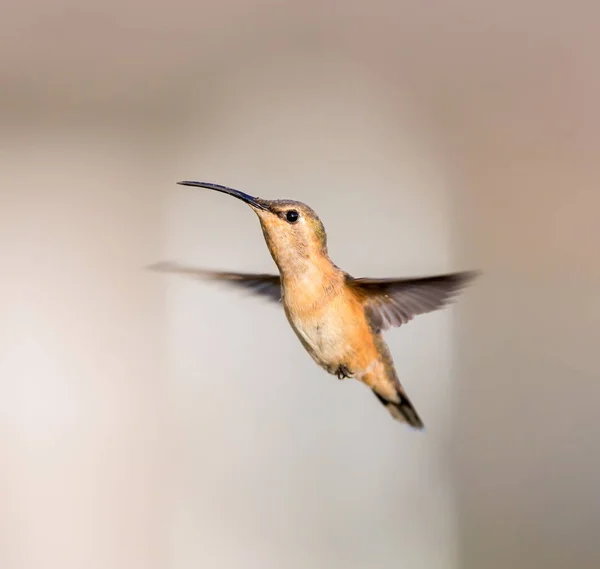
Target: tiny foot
(342, 372)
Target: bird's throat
(317, 281)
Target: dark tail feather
(402, 409)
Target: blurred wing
(393, 302)
(268, 286)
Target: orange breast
(334, 330)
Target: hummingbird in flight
(339, 319)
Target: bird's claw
(342, 372)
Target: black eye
(292, 216)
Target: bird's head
(293, 231)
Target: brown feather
(393, 302)
(267, 286)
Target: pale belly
(332, 341)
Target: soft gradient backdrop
(153, 422)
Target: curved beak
(250, 200)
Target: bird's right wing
(267, 286)
(393, 302)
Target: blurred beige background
(151, 422)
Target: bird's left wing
(267, 286)
(393, 302)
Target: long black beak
(250, 200)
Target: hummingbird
(338, 319)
